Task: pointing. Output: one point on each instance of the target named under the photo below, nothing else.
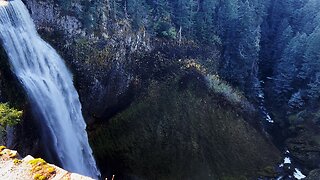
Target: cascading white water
(49, 87)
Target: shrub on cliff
(8, 116)
(165, 30)
(234, 96)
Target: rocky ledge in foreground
(14, 167)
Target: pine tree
(241, 39)
(287, 68)
(309, 71)
(205, 29)
(138, 12)
(311, 63)
(183, 15)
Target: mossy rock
(2, 148)
(37, 162)
(41, 169)
(17, 161)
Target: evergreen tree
(308, 17)
(183, 15)
(161, 10)
(241, 39)
(309, 72)
(288, 67)
(94, 14)
(311, 63)
(138, 12)
(282, 38)
(205, 29)
(313, 90)
(117, 9)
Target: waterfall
(49, 87)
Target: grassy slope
(179, 130)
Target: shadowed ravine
(49, 87)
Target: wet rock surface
(305, 149)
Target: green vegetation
(222, 87)
(88, 52)
(8, 116)
(17, 161)
(36, 162)
(179, 130)
(41, 169)
(165, 30)
(232, 25)
(2, 148)
(8, 153)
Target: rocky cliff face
(101, 61)
(47, 15)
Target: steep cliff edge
(101, 60)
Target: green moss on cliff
(41, 170)
(178, 130)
